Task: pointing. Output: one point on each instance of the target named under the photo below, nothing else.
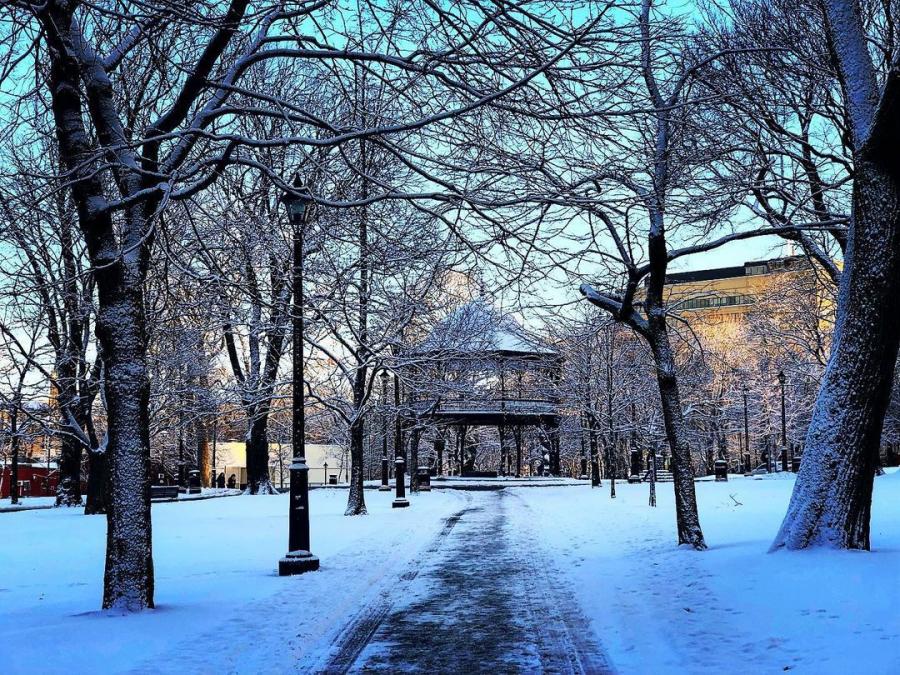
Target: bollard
(400, 501)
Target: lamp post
(298, 559)
(384, 487)
(782, 378)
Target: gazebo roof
(477, 328)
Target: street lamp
(298, 559)
(782, 378)
(384, 487)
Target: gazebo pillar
(555, 468)
(517, 435)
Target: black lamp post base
(297, 562)
(400, 503)
(384, 488)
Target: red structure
(35, 480)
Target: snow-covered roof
(478, 328)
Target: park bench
(163, 492)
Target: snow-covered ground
(734, 608)
(220, 605)
(654, 607)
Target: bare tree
(832, 499)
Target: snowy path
(480, 598)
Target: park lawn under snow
(655, 607)
(734, 608)
(220, 605)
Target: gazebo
(481, 368)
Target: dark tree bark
(96, 160)
(832, 499)
(439, 445)
(203, 454)
(414, 437)
(128, 581)
(257, 444)
(128, 578)
(97, 484)
(594, 447)
(688, 520)
(258, 385)
(68, 490)
(356, 502)
(470, 453)
(653, 327)
(67, 319)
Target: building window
(716, 301)
(756, 269)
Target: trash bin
(721, 469)
(332, 479)
(194, 482)
(424, 476)
(795, 463)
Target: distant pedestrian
(220, 480)
(232, 481)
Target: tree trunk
(97, 484)
(439, 445)
(413, 463)
(594, 447)
(470, 454)
(832, 499)
(68, 489)
(14, 452)
(688, 520)
(203, 453)
(257, 444)
(356, 502)
(128, 579)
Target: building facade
(728, 294)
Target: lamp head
(782, 377)
(297, 202)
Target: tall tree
(832, 499)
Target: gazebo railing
(512, 406)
